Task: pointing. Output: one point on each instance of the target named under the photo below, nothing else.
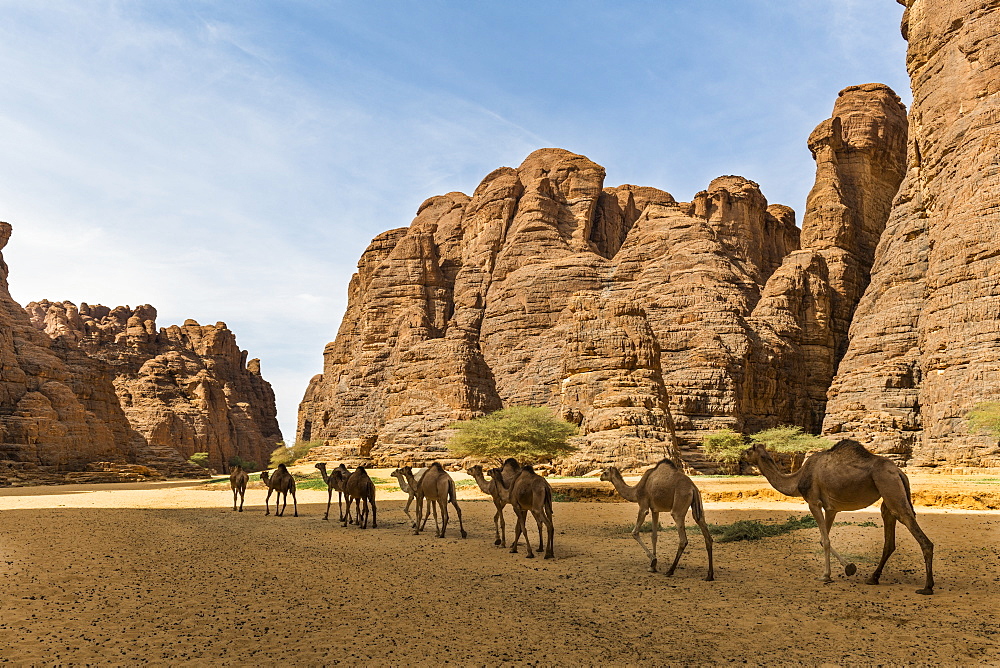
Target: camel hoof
(871, 581)
(850, 569)
(529, 556)
(925, 592)
(652, 566)
(669, 573)
(710, 578)
(550, 556)
(497, 542)
(513, 550)
(464, 534)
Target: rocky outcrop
(644, 320)
(925, 340)
(58, 408)
(185, 389)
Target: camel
(849, 477)
(438, 489)
(495, 489)
(238, 480)
(664, 488)
(359, 488)
(405, 486)
(334, 482)
(530, 491)
(283, 483)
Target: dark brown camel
(530, 491)
(359, 488)
(848, 477)
(664, 488)
(283, 483)
(238, 480)
(498, 492)
(334, 482)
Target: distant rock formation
(925, 340)
(58, 408)
(185, 388)
(644, 320)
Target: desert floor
(167, 573)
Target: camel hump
(666, 462)
(437, 466)
(852, 447)
(511, 462)
(282, 467)
(528, 468)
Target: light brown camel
(530, 491)
(238, 480)
(411, 491)
(438, 489)
(665, 489)
(848, 477)
(334, 482)
(283, 483)
(495, 489)
(359, 488)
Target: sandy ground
(167, 573)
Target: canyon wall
(925, 340)
(185, 389)
(644, 320)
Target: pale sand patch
(167, 573)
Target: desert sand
(167, 573)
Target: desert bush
(725, 447)
(791, 440)
(245, 464)
(985, 417)
(288, 455)
(526, 433)
(199, 459)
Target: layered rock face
(925, 342)
(185, 388)
(642, 319)
(58, 407)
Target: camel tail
(548, 499)
(697, 509)
(906, 486)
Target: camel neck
(628, 492)
(786, 483)
(326, 476)
(481, 481)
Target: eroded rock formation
(643, 319)
(925, 341)
(185, 389)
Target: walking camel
(359, 488)
(438, 489)
(283, 483)
(411, 491)
(530, 491)
(848, 477)
(334, 482)
(238, 480)
(665, 489)
(495, 489)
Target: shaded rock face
(925, 341)
(644, 320)
(185, 388)
(58, 408)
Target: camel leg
(896, 495)
(329, 502)
(549, 547)
(522, 524)
(636, 533)
(824, 539)
(406, 508)
(243, 496)
(497, 519)
(345, 518)
(267, 504)
(420, 511)
(458, 511)
(363, 521)
(340, 508)
(700, 519)
(680, 517)
(888, 545)
(284, 505)
(374, 513)
(849, 569)
(295, 504)
(444, 516)
(235, 493)
(538, 523)
(518, 527)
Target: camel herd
(845, 477)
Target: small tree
(524, 432)
(726, 447)
(199, 459)
(792, 441)
(287, 455)
(985, 417)
(244, 464)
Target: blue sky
(231, 160)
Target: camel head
(754, 453)
(606, 473)
(264, 477)
(321, 466)
(475, 471)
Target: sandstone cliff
(925, 341)
(58, 408)
(643, 319)
(185, 388)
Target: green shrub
(726, 447)
(791, 440)
(528, 434)
(985, 417)
(288, 455)
(199, 459)
(244, 464)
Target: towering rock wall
(643, 319)
(185, 388)
(925, 341)
(58, 408)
